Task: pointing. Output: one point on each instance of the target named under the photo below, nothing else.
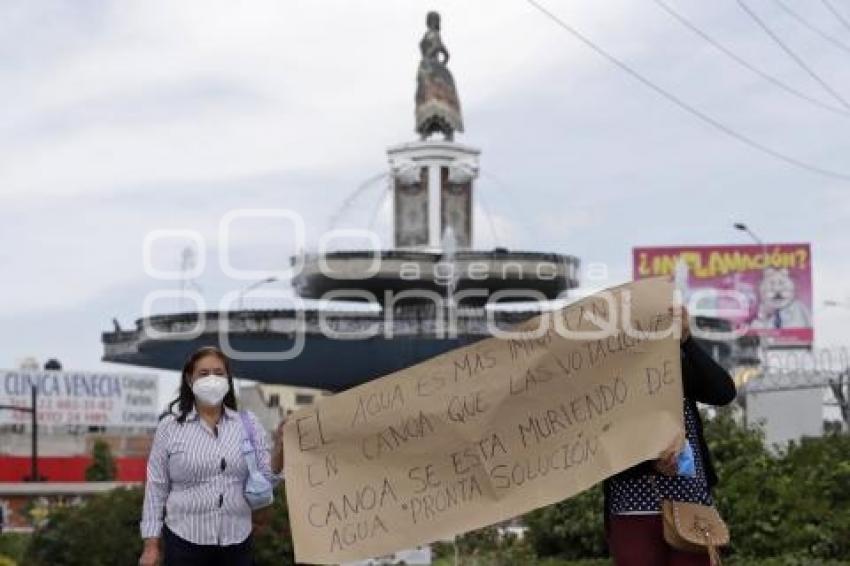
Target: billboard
(763, 290)
(81, 398)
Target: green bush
(815, 493)
(104, 531)
(791, 504)
(746, 495)
(14, 545)
(571, 529)
(272, 535)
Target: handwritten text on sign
(486, 432)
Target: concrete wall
(787, 415)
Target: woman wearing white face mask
(195, 491)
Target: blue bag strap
(248, 427)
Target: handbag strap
(248, 428)
(713, 552)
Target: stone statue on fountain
(437, 102)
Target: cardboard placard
(489, 431)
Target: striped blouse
(196, 476)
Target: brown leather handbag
(692, 527)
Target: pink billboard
(764, 290)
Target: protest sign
(488, 431)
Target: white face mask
(210, 390)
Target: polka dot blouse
(636, 495)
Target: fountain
(428, 294)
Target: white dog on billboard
(778, 304)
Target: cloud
(210, 90)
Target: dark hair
(186, 399)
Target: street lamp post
(744, 228)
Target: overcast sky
(118, 118)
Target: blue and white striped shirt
(196, 477)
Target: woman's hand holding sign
(668, 461)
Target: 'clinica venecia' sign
(81, 398)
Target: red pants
(638, 540)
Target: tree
(103, 466)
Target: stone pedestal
(432, 191)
